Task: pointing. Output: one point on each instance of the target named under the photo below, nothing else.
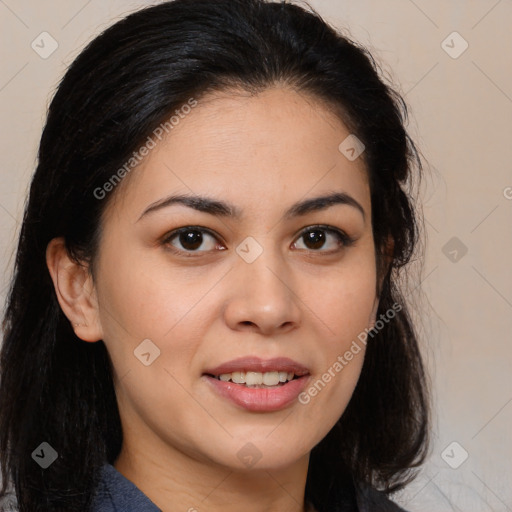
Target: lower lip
(259, 399)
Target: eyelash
(343, 238)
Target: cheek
(343, 300)
(342, 303)
(143, 298)
(144, 293)
(146, 307)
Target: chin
(263, 451)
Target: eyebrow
(223, 209)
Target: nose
(263, 297)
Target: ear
(75, 291)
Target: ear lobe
(75, 291)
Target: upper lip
(256, 364)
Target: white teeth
(257, 378)
(253, 378)
(238, 377)
(271, 378)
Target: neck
(180, 482)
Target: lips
(255, 364)
(258, 385)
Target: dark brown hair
(57, 388)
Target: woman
(205, 311)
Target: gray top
(115, 493)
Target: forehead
(244, 146)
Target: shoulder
(370, 499)
(115, 493)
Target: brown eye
(190, 239)
(314, 239)
(317, 237)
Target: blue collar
(115, 493)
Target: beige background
(461, 117)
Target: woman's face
(251, 288)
